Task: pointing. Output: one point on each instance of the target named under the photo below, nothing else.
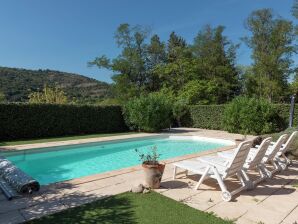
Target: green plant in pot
(153, 170)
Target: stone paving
(273, 201)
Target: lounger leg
(282, 165)
(246, 177)
(244, 186)
(288, 161)
(242, 181)
(219, 180)
(267, 172)
(174, 174)
(276, 167)
(202, 177)
(226, 195)
(262, 176)
(247, 182)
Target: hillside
(17, 83)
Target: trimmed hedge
(27, 121)
(204, 116)
(210, 116)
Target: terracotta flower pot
(153, 174)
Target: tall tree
(156, 55)
(179, 66)
(295, 9)
(129, 67)
(215, 56)
(272, 46)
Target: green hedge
(204, 116)
(210, 116)
(24, 121)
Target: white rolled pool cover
(14, 178)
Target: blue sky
(66, 34)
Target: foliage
(199, 92)
(149, 113)
(27, 121)
(211, 116)
(250, 116)
(179, 109)
(17, 84)
(108, 102)
(149, 157)
(272, 47)
(146, 64)
(204, 116)
(48, 95)
(295, 9)
(215, 56)
(130, 64)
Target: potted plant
(153, 170)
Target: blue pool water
(49, 165)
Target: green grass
(130, 208)
(55, 139)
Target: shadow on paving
(266, 188)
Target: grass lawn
(56, 139)
(133, 208)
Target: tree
(179, 67)
(48, 95)
(215, 57)
(295, 9)
(156, 55)
(199, 92)
(146, 66)
(129, 67)
(272, 47)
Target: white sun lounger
(271, 153)
(281, 157)
(253, 161)
(219, 169)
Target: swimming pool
(55, 164)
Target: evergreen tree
(215, 57)
(272, 47)
(156, 55)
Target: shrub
(250, 116)
(23, 121)
(48, 95)
(149, 113)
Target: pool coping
(76, 141)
